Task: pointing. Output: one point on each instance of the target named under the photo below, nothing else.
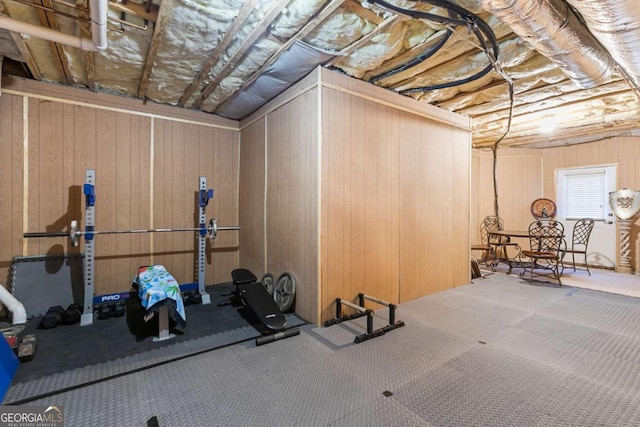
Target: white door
(584, 193)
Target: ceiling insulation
(574, 59)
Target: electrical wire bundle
(457, 16)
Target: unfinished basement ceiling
(572, 63)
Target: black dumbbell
(104, 311)
(72, 315)
(118, 309)
(52, 317)
(196, 298)
(187, 298)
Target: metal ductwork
(554, 30)
(616, 24)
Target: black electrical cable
(480, 29)
(424, 56)
(459, 82)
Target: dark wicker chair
(546, 240)
(580, 242)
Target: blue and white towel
(156, 287)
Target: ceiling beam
(459, 48)
(366, 38)
(48, 19)
(591, 119)
(139, 10)
(466, 102)
(405, 57)
(268, 19)
(213, 58)
(575, 135)
(89, 65)
(617, 89)
(166, 7)
(25, 53)
(368, 14)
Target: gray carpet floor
(500, 351)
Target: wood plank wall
(279, 196)
(182, 153)
(434, 207)
(360, 200)
(340, 229)
(292, 197)
(395, 202)
(11, 182)
(621, 151)
(65, 140)
(252, 198)
(524, 175)
(519, 177)
(147, 168)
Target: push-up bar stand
(361, 311)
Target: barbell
(74, 234)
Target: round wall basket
(543, 208)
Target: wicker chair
(546, 240)
(580, 242)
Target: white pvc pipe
(19, 314)
(99, 12)
(99, 9)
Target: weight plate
(268, 281)
(73, 233)
(213, 228)
(284, 291)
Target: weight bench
(160, 295)
(260, 306)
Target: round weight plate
(73, 233)
(213, 228)
(269, 282)
(284, 291)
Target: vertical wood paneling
(222, 176)
(45, 147)
(360, 196)
(183, 153)
(292, 197)
(622, 151)
(140, 170)
(251, 211)
(434, 189)
(123, 195)
(522, 170)
(160, 191)
(11, 190)
(395, 200)
(65, 140)
(519, 176)
(106, 191)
